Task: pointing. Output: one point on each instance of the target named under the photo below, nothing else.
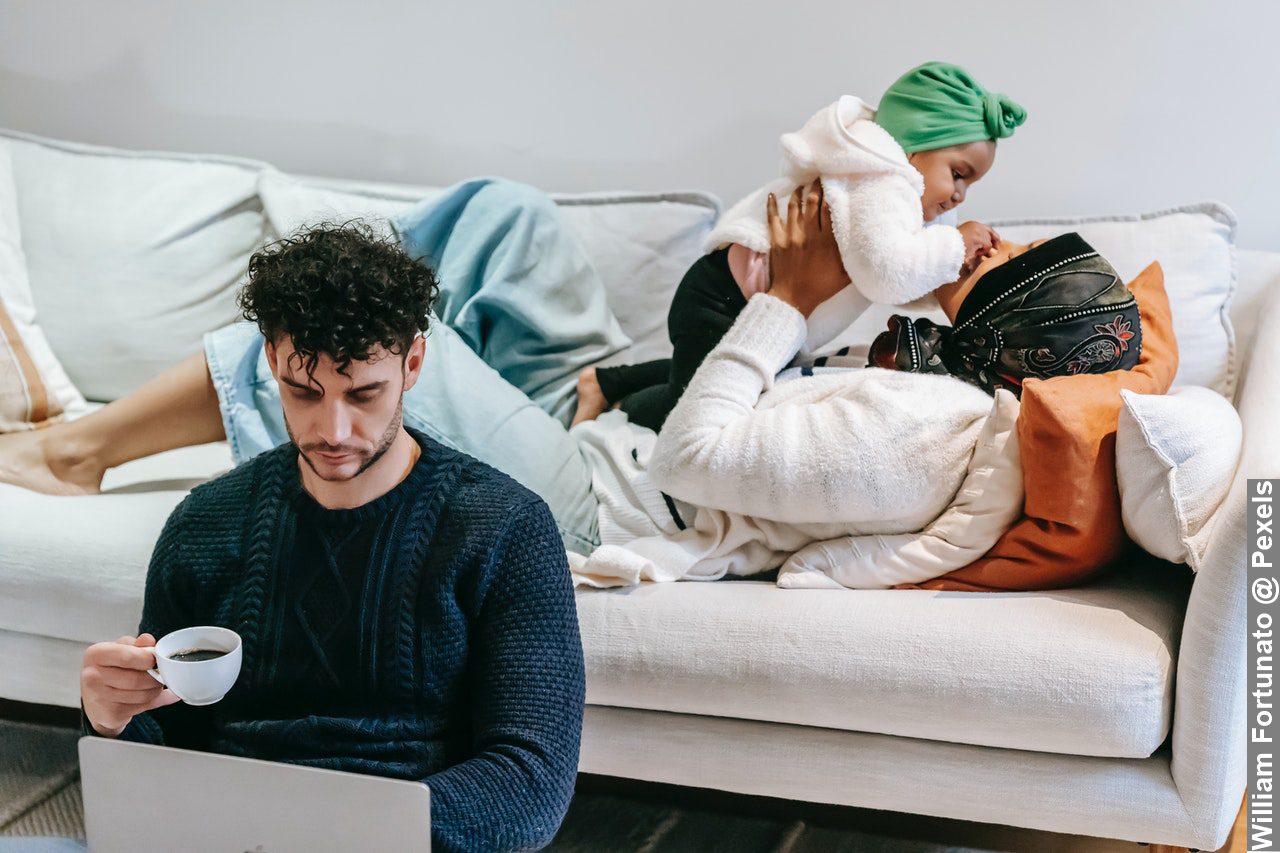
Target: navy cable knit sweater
(430, 634)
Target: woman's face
(884, 348)
(951, 296)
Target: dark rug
(40, 795)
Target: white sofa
(1053, 710)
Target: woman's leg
(516, 285)
(459, 401)
(176, 409)
(465, 404)
(530, 312)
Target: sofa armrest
(1209, 715)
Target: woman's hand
(805, 268)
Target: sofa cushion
(1175, 454)
(73, 567)
(132, 256)
(34, 387)
(1072, 529)
(1196, 248)
(292, 203)
(1085, 671)
(157, 244)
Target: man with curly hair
(405, 609)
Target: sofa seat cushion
(1086, 671)
(73, 568)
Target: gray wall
(1133, 106)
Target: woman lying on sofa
(754, 462)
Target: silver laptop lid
(140, 798)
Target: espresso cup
(200, 682)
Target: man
(405, 610)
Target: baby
(885, 173)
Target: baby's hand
(980, 241)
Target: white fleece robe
(874, 195)
(758, 471)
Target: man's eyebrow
(372, 386)
(287, 381)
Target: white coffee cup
(200, 682)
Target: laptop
(140, 798)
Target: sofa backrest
(640, 243)
(134, 256)
(139, 254)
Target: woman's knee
(523, 196)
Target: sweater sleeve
(889, 254)
(884, 448)
(716, 449)
(168, 606)
(528, 692)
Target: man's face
(342, 423)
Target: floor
(40, 795)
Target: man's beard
(384, 444)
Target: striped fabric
(841, 358)
(25, 400)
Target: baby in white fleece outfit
(885, 173)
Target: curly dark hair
(338, 289)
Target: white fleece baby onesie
(874, 196)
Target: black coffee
(192, 655)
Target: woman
(522, 313)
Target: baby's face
(949, 172)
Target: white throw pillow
(293, 203)
(1176, 454)
(34, 388)
(132, 256)
(642, 244)
(988, 503)
(1195, 246)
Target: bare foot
(43, 461)
(591, 401)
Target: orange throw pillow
(1071, 528)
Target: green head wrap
(939, 104)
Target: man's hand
(115, 685)
(980, 241)
(805, 268)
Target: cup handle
(154, 672)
